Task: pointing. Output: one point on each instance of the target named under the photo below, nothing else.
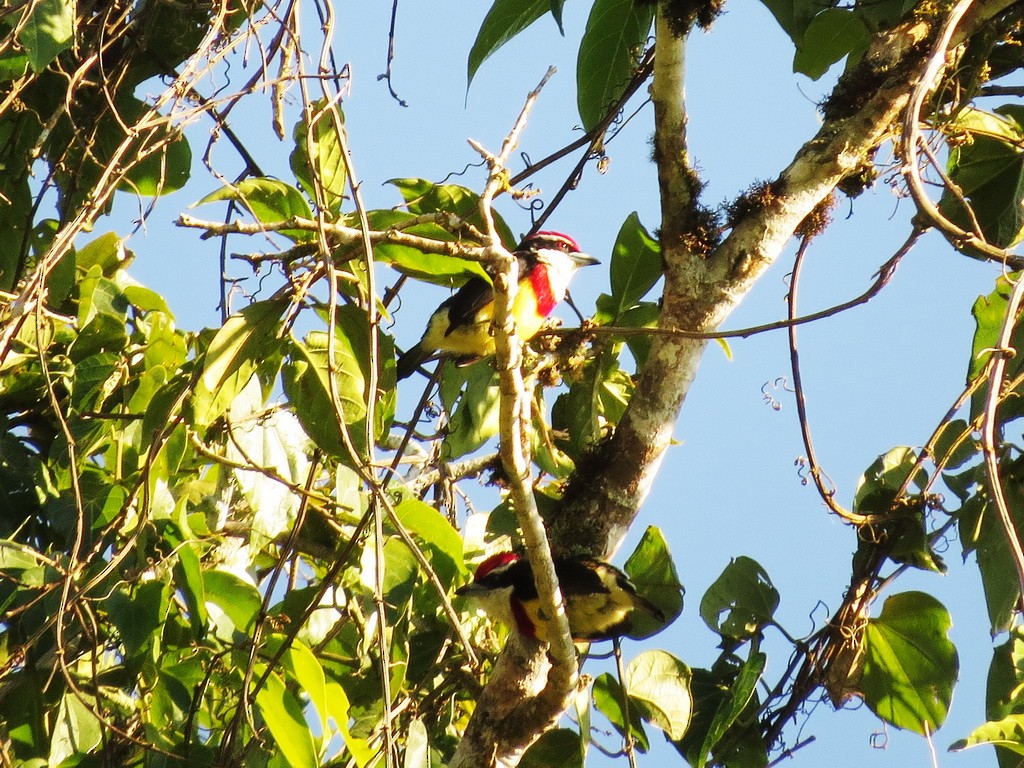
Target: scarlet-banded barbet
(461, 326)
(600, 600)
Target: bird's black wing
(466, 302)
(476, 294)
(576, 578)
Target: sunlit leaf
(608, 699)
(283, 715)
(910, 666)
(661, 683)
(48, 31)
(271, 201)
(831, 36)
(505, 20)
(741, 601)
(612, 44)
(652, 571)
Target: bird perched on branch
(461, 326)
(600, 600)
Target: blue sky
(879, 376)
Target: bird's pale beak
(583, 259)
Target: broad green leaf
(138, 613)
(982, 532)
(189, 580)
(274, 441)
(711, 691)
(989, 169)
(338, 708)
(661, 684)
(306, 382)
(436, 268)
(325, 162)
(269, 200)
(245, 338)
(15, 217)
(238, 349)
(887, 474)
(652, 571)
(239, 599)
(559, 746)
(76, 730)
(745, 595)
(303, 665)
(611, 47)
(422, 196)
(736, 699)
(282, 713)
(593, 404)
(417, 745)
(475, 420)
(831, 36)
(505, 20)
(636, 266)
(1007, 733)
(153, 173)
(794, 16)
(439, 539)
(988, 312)
(608, 700)
(49, 31)
(106, 252)
(910, 666)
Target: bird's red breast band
(541, 285)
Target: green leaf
(910, 666)
(283, 715)
(306, 382)
(636, 266)
(325, 162)
(878, 486)
(270, 201)
(989, 169)
(745, 595)
(982, 531)
(475, 420)
(138, 613)
(736, 699)
(238, 349)
(436, 268)
(612, 44)
(660, 683)
(831, 36)
(988, 312)
(505, 20)
(339, 710)
(239, 599)
(1007, 733)
(417, 745)
(441, 542)
(303, 665)
(49, 30)
(76, 730)
(422, 196)
(608, 699)
(189, 579)
(794, 16)
(559, 746)
(652, 571)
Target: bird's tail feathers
(412, 359)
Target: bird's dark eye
(565, 247)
